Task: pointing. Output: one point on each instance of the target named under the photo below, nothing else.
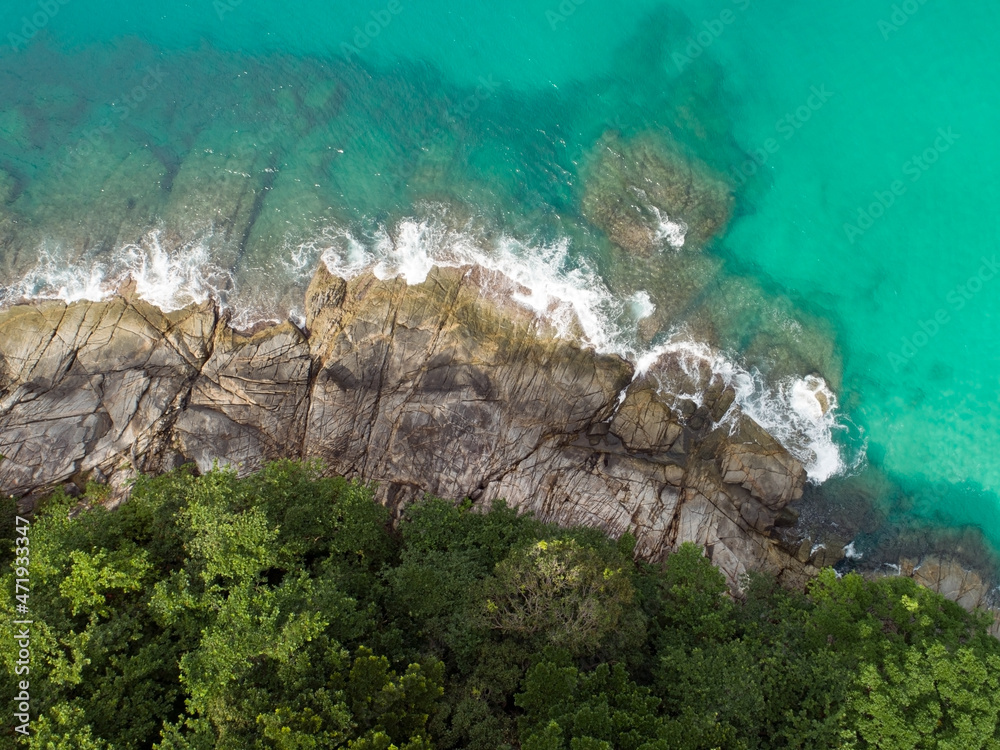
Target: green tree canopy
(283, 611)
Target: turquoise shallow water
(857, 141)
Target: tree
(566, 708)
(558, 592)
(281, 612)
(926, 698)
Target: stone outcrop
(85, 388)
(954, 582)
(439, 387)
(950, 579)
(249, 399)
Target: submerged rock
(658, 209)
(646, 196)
(777, 337)
(8, 187)
(94, 202)
(217, 194)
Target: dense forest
(285, 611)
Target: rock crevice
(436, 387)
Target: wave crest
(547, 278)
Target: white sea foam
(168, 279)
(641, 306)
(563, 291)
(673, 233)
(342, 254)
(801, 413)
(667, 233)
(171, 280)
(545, 278)
(851, 553)
(52, 277)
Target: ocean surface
(841, 269)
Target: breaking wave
(800, 413)
(546, 278)
(170, 279)
(673, 233)
(562, 290)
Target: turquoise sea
(846, 153)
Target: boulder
(753, 459)
(644, 423)
(948, 578)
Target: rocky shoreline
(439, 387)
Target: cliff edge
(441, 387)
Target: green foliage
(558, 592)
(603, 708)
(65, 727)
(282, 612)
(94, 578)
(8, 512)
(696, 609)
(926, 698)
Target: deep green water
(857, 139)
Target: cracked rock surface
(442, 387)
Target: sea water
(222, 148)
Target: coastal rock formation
(437, 387)
(87, 387)
(951, 580)
(442, 387)
(249, 399)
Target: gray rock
(437, 387)
(249, 403)
(92, 386)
